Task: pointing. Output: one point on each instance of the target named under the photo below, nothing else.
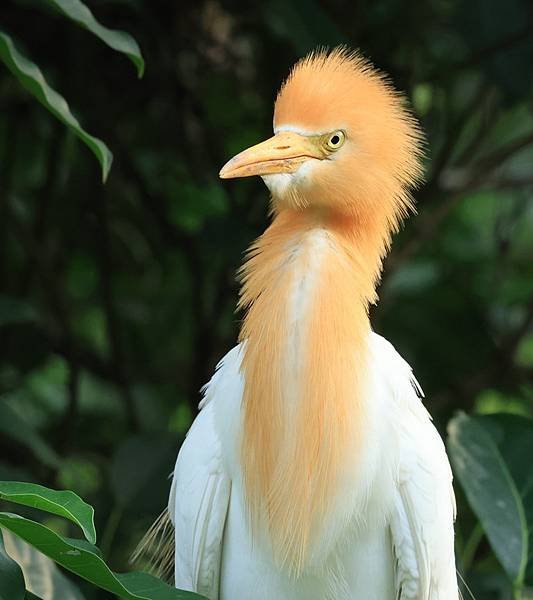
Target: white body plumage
(390, 536)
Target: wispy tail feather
(155, 552)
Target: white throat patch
(280, 183)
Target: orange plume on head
(342, 90)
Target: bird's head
(344, 140)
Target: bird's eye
(335, 140)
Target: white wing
(198, 504)
(422, 525)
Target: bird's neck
(307, 285)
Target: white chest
(367, 484)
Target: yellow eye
(335, 140)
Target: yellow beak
(283, 153)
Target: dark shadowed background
(117, 300)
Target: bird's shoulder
(386, 362)
(226, 380)
(396, 373)
(422, 521)
(392, 378)
(421, 445)
(211, 441)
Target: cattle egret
(313, 471)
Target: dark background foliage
(116, 301)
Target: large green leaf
(84, 560)
(63, 503)
(31, 77)
(11, 580)
(118, 40)
(491, 456)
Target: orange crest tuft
(340, 89)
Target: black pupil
(335, 140)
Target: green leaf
(31, 77)
(491, 456)
(41, 574)
(63, 503)
(87, 563)
(118, 40)
(11, 580)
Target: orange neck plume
(308, 282)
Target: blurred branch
(85, 358)
(496, 158)
(429, 220)
(484, 128)
(501, 45)
(112, 319)
(7, 167)
(506, 183)
(498, 372)
(44, 197)
(110, 530)
(481, 55)
(471, 545)
(187, 244)
(62, 342)
(154, 205)
(471, 178)
(68, 423)
(426, 225)
(454, 133)
(513, 340)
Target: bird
(313, 469)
